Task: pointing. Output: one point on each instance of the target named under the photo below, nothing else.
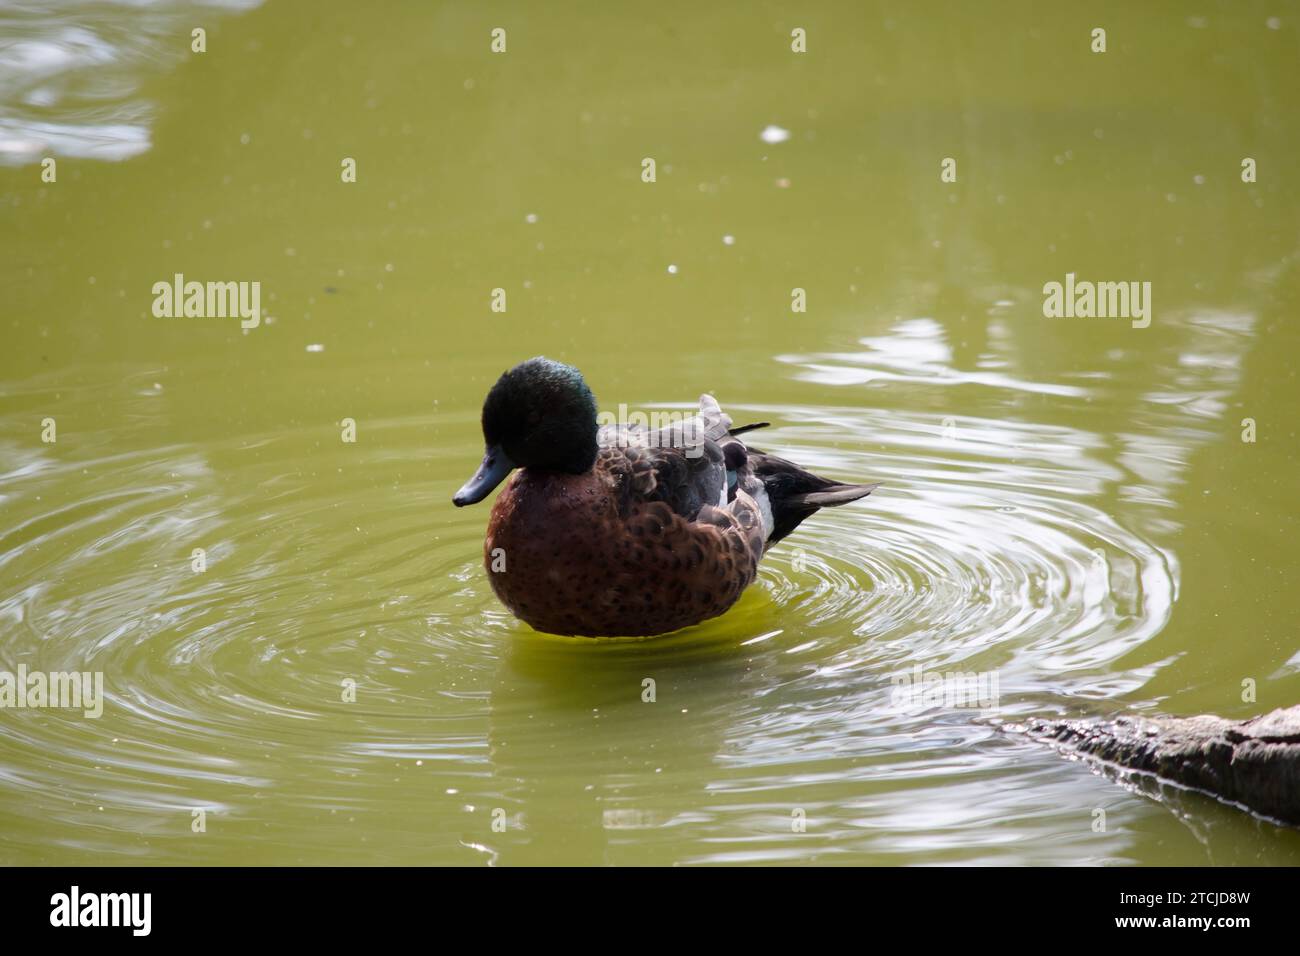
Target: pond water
(1068, 504)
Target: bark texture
(1253, 762)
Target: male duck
(625, 530)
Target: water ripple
(342, 642)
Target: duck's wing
(681, 463)
(704, 472)
(671, 429)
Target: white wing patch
(765, 509)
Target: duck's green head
(540, 414)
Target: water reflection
(72, 73)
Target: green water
(1067, 503)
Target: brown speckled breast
(584, 557)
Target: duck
(627, 530)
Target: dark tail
(795, 493)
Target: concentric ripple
(334, 679)
(980, 546)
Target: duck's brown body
(588, 555)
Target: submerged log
(1254, 763)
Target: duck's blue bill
(496, 465)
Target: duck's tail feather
(795, 493)
(839, 495)
(747, 428)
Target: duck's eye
(534, 417)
